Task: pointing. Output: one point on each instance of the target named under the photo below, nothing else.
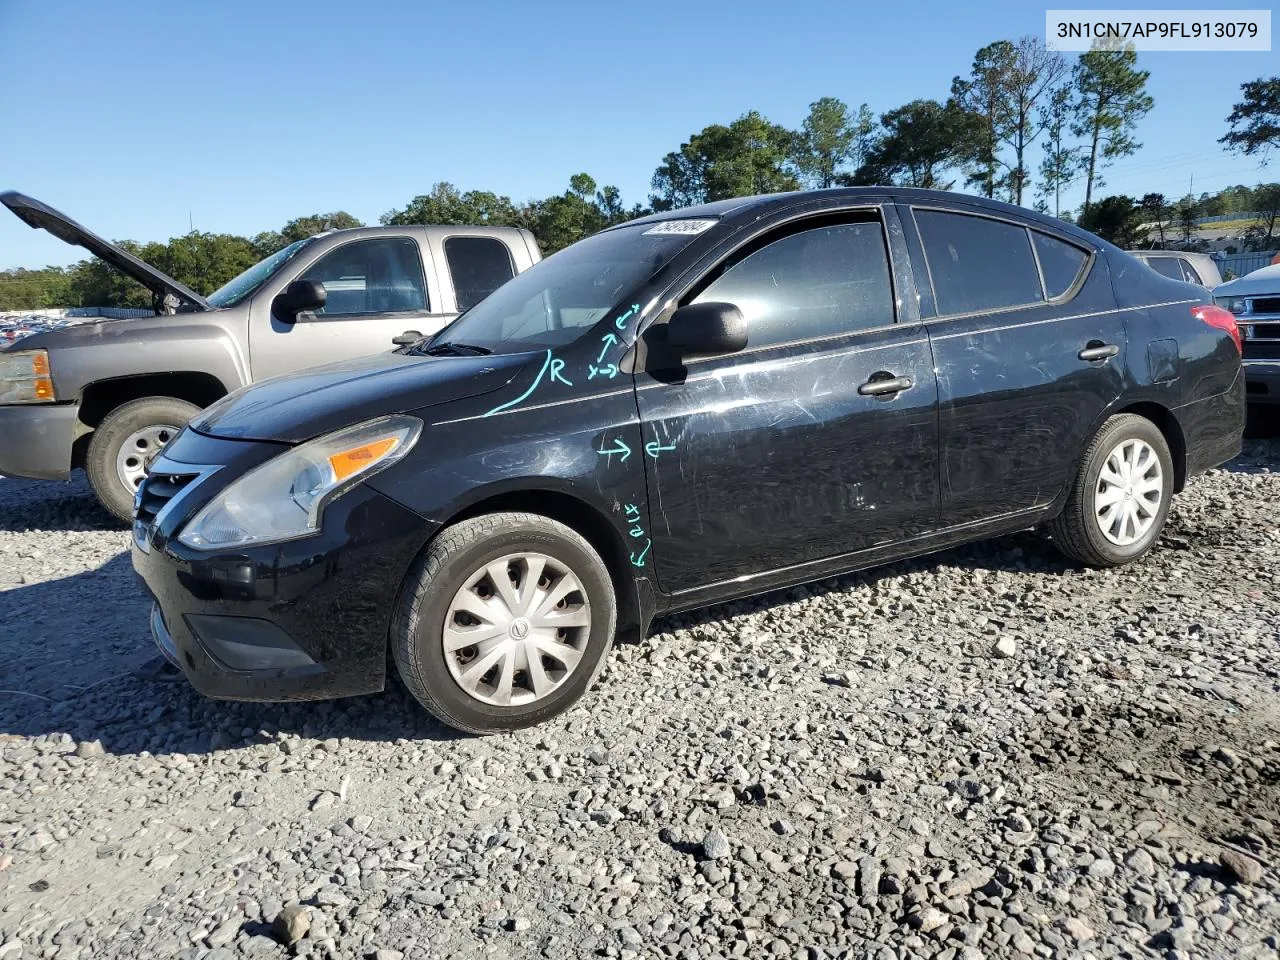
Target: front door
(376, 290)
(819, 439)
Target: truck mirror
(297, 297)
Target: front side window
(382, 275)
(978, 264)
(478, 266)
(822, 282)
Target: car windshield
(561, 298)
(232, 292)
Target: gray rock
(89, 749)
(1243, 868)
(1004, 648)
(715, 844)
(291, 924)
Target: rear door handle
(1097, 350)
(885, 387)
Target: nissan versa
(687, 408)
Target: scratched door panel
(1016, 402)
(773, 458)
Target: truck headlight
(1234, 304)
(283, 498)
(25, 377)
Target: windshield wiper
(453, 348)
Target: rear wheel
(1121, 496)
(505, 621)
(125, 443)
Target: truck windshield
(232, 292)
(560, 299)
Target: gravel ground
(985, 753)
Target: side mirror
(297, 297)
(407, 339)
(707, 328)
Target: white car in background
(1255, 301)
(1198, 268)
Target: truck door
(377, 289)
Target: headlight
(25, 378)
(1234, 304)
(284, 498)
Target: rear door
(1030, 350)
(377, 289)
(787, 452)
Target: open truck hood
(38, 215)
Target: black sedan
(687, 408)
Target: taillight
(1220, 319)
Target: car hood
(41, 216)
(1265, 281)
(301, 406)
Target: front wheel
(125, 443)
(504, 621)
(1120, 500)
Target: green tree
(1255, 120)
(1113, 218)
(202, 261)
(446, 205)
(1262, 235)
(984, 95)
(830, 137)
(1157, 211)
(918, 143)
(1033, 77)
(22, 289)
(1111, 97)
(300, 228)
(1185, 213)
(1060, 165)
(749, 156)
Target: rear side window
(1168, 266)
(977, 264)
(821, 282)
(1060, 263)
(1189, 272)
(478, 266)
(371, 276)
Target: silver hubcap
(1129, 492)
(516, 629)
(139, 449)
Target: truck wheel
(504, 621)
(126, 442)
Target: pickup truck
(106, 396)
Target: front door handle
(882, 385)
(1097, 350)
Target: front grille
(1266, 331)
(1266, 305)
(156, 491)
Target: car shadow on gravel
(76, 658)
(34, 505)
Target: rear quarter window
(1061, 263)
(977, 264)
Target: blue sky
(134, 115)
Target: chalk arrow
(619, 447)
(609, 341)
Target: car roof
(742, 209)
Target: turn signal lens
(25, 377)
(352, 461)
(1219, 319)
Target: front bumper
(300, 620)
(1263, 381)
(36, 440)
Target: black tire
(105, 444)
(1076, 531)
(442, 570)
